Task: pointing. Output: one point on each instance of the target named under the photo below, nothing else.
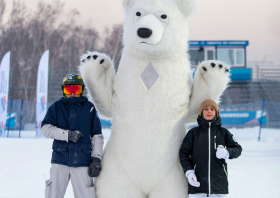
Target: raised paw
(95, 59)
(213, 74)
(212, 67)
(210, 80)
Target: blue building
(231, 52)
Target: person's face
(72, 95)
(209, 112)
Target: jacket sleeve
(233, 147)
(50, 117)
(49, 129)
(186, 152)
(96, 124)
(97, 142)
(97, 139)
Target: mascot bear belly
(150, 100)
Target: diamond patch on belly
(149, 76)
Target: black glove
(74, 136)
(94, 167)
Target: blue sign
(243, 117)
(229, 118)
(218, 43)
(240, 74)
(236, 74)
(11, 120)
(105, 123)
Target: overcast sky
(255, 20)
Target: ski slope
(25, 165)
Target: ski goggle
(76, 89)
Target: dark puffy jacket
(73, 114)
(198, 152)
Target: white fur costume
(150, 100)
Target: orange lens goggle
(76, 89)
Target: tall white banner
(42, 91)
(4, 92)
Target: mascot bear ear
(128, 3)
(186, 6)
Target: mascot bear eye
(163, 16)
(138, 14)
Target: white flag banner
(42, 91)
(4, 92)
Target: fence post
(20, 118)
(261, 120)
(10, 117)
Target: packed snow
(25, 165)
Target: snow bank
(25, 165)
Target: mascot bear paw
(97, 70)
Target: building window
(196, 56)
(240, 57)
(234, 57)
(226, 55)
(210, 54)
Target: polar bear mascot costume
(150, 100)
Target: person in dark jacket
(204, 152)
(74, 125)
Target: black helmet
(73, 79)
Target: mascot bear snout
(144, 32)
(149, 29)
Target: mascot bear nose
(144, 32)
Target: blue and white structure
(232, 52)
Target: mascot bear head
(156, 28)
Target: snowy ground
(25, 165)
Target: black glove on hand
(74, 136)
(94, 167)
